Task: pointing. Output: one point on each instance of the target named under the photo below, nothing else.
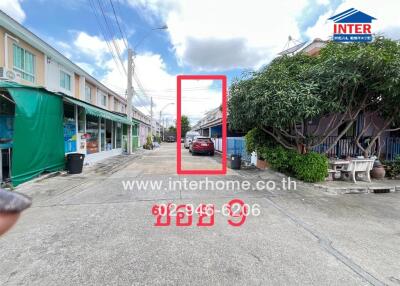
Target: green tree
(339, 84)
(185, 125)
(279, 100)
(364, 78)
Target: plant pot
(261, 164)
(378, 172)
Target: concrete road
(199, 161)
(88, 230)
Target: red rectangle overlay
(179, 170)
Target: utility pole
(163, 134)
(130, 87)
(159, 132)
(129, 99)
(151, 118)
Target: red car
(202, 145)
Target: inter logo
(352, 26)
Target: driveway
(89, 230)
(199, 161)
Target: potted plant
(378, 171)
(261, 161)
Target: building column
(82, 83)
(78, 140)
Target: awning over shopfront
(98, 112)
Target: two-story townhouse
(94, 116)
(144, 127)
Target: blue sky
(203, 37)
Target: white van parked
(189, 138)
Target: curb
(358, 190)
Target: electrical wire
(111, 35)
(121, 31)
(94, 10)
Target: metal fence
(235, 145)
(343, 148)
(347, 147)
(392, 148)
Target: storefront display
(92, 131)
(102, 134)
(118, 135)
(69, 129)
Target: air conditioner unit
(7, 74)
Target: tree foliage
(185, 125)
(343, 81)
(172, 129)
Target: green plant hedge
(256, 139)
(279, 158)
(311, 167)
(392, 168)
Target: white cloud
(197, 96)
(13, 8)
(323, 2)
(323, 28)
(386, 12)
(95, 47)
(201, 31)
(86, 67)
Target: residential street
(87, 230)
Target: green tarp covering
(98, 112)
(38, 143)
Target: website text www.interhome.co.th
(209, 184)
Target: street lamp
(164, 27)
(165, 106)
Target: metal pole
(159, 131)
(129, 99)
(163, 130)
(151, 118)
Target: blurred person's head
(11, 206)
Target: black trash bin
(75, 163)
(236, 161)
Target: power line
(118, 5)
(110, 33)
(103, 34)
(183, 89)
(125, 39)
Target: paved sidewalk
(88, 230)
